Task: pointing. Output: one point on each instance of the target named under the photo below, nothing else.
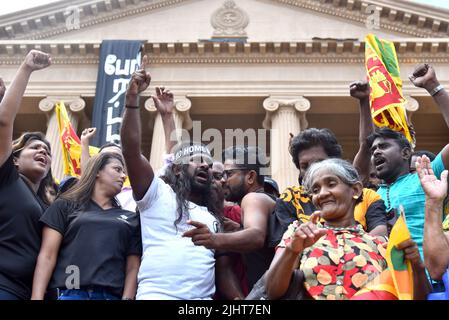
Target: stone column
(75, 107)
(284, 115)
(411, 106)
(182, 121)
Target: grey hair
(340, 168)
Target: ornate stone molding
(50, 20)
(229, 21)
(75, 104)
(408, 18)
(295, 104)
(53, 22)
(411, 106)
(322, 51)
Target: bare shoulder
(258, 199)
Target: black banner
(118, 60)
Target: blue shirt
(407, 191)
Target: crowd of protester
(205, 228)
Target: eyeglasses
(217, 175)
(230, 172)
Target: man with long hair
(172, 266)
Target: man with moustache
(243, 184)
(391, 152)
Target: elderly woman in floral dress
(335, 255)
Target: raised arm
(46, 262)
(85, 141)
(139, 169)
(165, 105)
(436, 241)
(9, 106)
(362, 161)
(424, 77)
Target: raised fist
(87, 134)
(424, 77)
(37, 60)
(359, 90)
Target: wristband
(435, 90)
(132, 107)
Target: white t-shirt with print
(173, 267)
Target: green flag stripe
(387, 51)
(397, 258)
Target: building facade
(259, 69)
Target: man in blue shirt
(390, 154)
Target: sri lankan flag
(386, 100)
(401, 269)
(396, 282)
(70, 143)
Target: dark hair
(248, 158)
(47, 181)
(387, 133)
(314, 137)
(19, 144)
(427, 153)
(26, 137)
(109, 144)
(181, 185)
(81, 193)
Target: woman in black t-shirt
(24, 166)
(91, 247)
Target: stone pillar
(182, 121)
(75, 107)
(284, 115)
(411, 106)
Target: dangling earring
(355, 197)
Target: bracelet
(435, 90)
(132, 107)
(125, 298)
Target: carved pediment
(69, 19)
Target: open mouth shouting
(202, 176)
(379, 163)
(40, 158)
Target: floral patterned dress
(340, 263)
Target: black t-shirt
(96, 243)
(20, 231)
